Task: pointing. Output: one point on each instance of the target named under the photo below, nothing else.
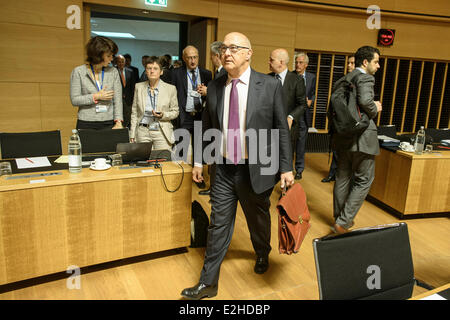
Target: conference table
(53, 219)
(411, 185)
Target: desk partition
(51, 222)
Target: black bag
(199, 226)
(344, 115)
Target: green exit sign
(159, 3)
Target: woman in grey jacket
(95, 87)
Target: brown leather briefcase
(293, 219)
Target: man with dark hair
(356, 155)
(128, 83)
(128, 65)
(143, 76)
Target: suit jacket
(167, 103)
(128, 89)
(310, 94)
(265, 110)
(294, 95)
(135, 74)
(82, 88)
(220, 73)
(179, 80)
(367, 142)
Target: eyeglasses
(233, 49)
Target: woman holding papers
(155, 104)
(95, 87)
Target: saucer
(100, 169)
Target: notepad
(32, 162)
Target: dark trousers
(333, 166)
(232, 184)
(301, 146)
(96, 125)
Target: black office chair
(102, 141)
(30, 144)
(370, 263)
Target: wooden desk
(90, 217)
(412, 184)
(431, 292)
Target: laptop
(133, 152)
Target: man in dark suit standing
(190, 81)
(128, 83)
(128, 65)
(243, 106)
(356, 155)
(293, 89)
(301, 63)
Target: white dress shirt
(242, 87)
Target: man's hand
(118, 125)
(197, 174)
(287, 179)
(309, 102)
(289, 120)
(379, 106)
(202, 89)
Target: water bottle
(420, 141)
(74, 152)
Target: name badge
(154, 126)
(100, 108)
(195, 94)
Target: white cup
(99, 163)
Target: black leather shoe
(298, 176)
(329, 178)
(199, 291)
(201, 185)
(205, 192)
(262, 264)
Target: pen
(29, 160)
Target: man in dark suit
(293, 89)
(356, 155)
(241, 103)
(128, 65)
(301, 63)
(128, 83)
(190, 81)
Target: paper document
(62, 159)
(33, 162)
(434, 297)
(387, 139)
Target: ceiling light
(114, 34)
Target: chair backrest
(97, 141)
(30, 144)
(368, 263)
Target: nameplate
(37, 181)
(28, 176)
(147, 170)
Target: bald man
(293, 89)
(190, 81)
(244, 101)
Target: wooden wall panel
(263, 24)
(39, 54)
(57, 111)
(438, 7)
(20, 107)
(338, 32)
(420, 39)
(38, 12)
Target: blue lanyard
(103, 76)
(152, 98)
(194, 84)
